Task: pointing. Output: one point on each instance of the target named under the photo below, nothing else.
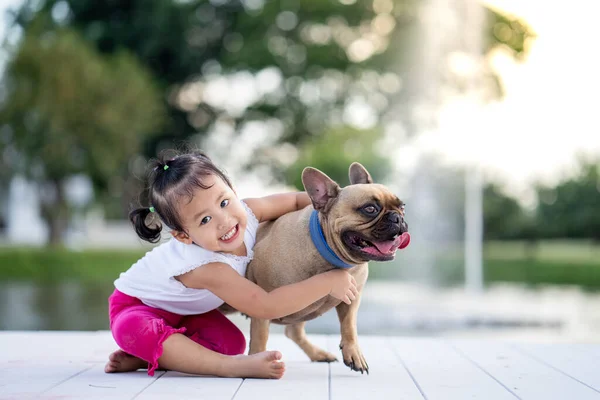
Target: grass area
(586, 275)
(547, 262)
(53, 265)
(569, 251)
(550, 262)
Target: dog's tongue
(391, 246)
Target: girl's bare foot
(260, 365)
(119, 361)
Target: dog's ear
(321, 189)
(359, 174)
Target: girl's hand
(343, 285)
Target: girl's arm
(274, 206)
(251, 299)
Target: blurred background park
(480, 115)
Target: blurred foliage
(567, 210)
(67, 110)
(508, 31)
(504, 218)
(315, 56)
(303, 64)
(572, 208)
(333, 153)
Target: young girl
(163, 312)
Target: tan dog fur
(284, 254)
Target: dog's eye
(370, 209)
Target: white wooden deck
(69, 365)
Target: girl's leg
(148, 334)
(180, 353)
(120, 361)
(215, 331)
(140, 331)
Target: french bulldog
(351, 226)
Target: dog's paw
(354, 358)
(322, 356)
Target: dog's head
(361, 222)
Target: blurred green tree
(66, 110)
(570, 209)
(503, 216)
(299, 62)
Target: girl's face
(214, 219)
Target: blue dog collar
(316, 234)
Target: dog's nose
(393, 217)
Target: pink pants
(140, 330)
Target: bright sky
(553, 96)
(550, 111)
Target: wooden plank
(35, 362)
(442, 373)
(579, 361)
(523, 375)
(94, 383)
(303, 379)
(175, 385)
(52, 345)
(387, 378)
(70, 365)
(25, 379)
(182, 386)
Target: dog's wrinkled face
(372, 222)
(363, 221)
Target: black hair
(171, 177)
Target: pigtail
(170, 176)
(138, 219)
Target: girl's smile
(231, 235)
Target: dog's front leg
(351, 352)
(259, 334)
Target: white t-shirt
(152, 278)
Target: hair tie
(151, 209)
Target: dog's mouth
(376, 250)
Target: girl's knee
(138, 334)
(235, 342)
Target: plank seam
(66, 379)
(395, 350)
(238, 388)
(329, 394)
(481, 368)
(148, 385)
